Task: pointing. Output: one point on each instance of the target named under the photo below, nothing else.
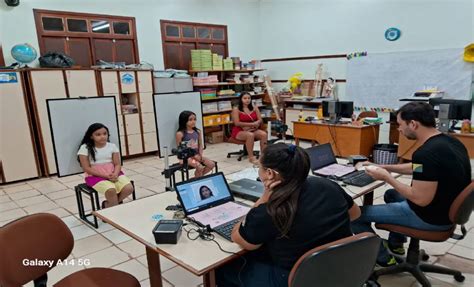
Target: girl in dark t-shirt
(295, 214)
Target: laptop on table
(208, 201)
(324, 163)
(247, 189)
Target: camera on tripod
(182, 151)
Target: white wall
(275, 28)
(242, 33)
(307, 28)
(302, 27)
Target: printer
(424, 95)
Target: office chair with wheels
(241, 153)
(45, 236)
(459, 214)
(347, 262)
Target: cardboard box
(215, 137)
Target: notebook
(324, 163)
(208, 200)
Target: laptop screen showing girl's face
(203, 193)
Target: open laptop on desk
(324, 163)
(247, 189)
(208, 200)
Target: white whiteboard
(69, 120)
(167, 110)
(379, 80)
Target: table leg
(368, 198)
(154, 269)
(210, 279)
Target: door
(146, 103)
(145, 81)
(47, 85)
(186, 55)
(124, 51)
(151, 142)
(127, 82)
(18, 160)
(172, 55)
(80, 51)
(132, 122)
(54, 44)
(81, 83)
(148, 120)
(104, 49)
(109, 82)
(134, 144)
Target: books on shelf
(207, 93)
(202, 81)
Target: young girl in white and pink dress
(188, 132)
(100, 160)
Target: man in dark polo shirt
(440, 169)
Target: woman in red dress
(247, 121)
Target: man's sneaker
(395, 249)
(390, 262)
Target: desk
(345, 140)
(366, 192)
(407, 147)
(198, 257)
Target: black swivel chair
(459, 214)
(241, 153)
(347, 262)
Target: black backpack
(55, 60)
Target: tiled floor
(107, 247)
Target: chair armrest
(460, 236)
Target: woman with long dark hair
(295, 214)
(247, 122)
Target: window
(218, 34)
(172, 31)
(204, 33)
(77, 25)
(122, 28)
(87, 38)
(179, 38)
(189, 32)
(52, 24)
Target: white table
(198, 257)
(365, 191)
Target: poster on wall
(8, 78)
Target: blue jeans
(396, 211)
(249, 272)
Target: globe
(24, 53)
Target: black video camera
(279, 127)
(183, 151)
